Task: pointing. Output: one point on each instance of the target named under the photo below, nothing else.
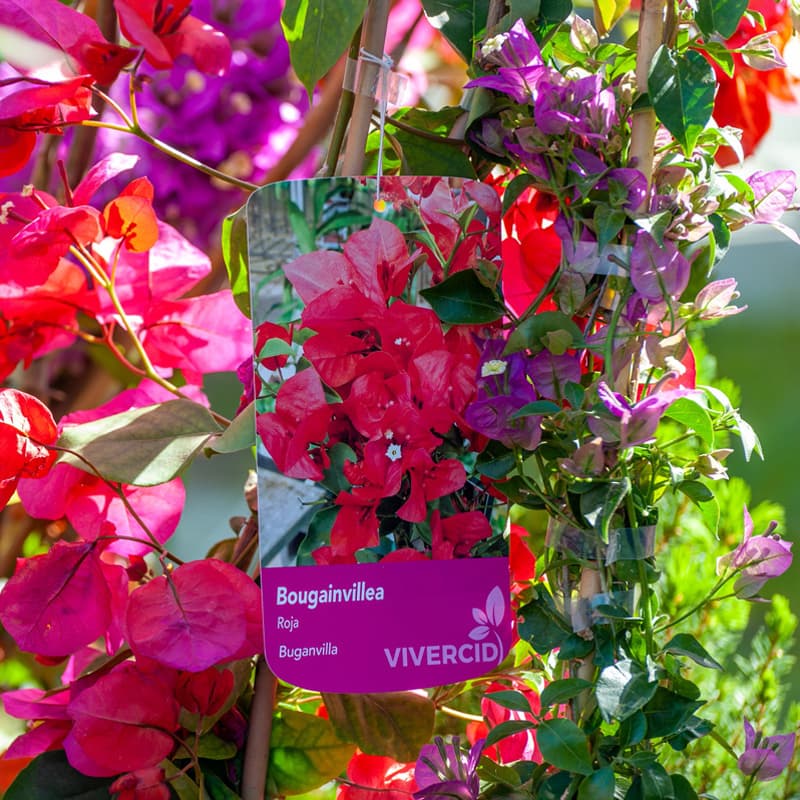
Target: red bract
(121, 723)
(76, 35)
(46, 239)
(143, 280)
(429, 480)
(46, 107)
(441, 208)
(190, 619)
(59, 601)
(512, 748)
(38, 319)
(197, 335)
(388, 779)
(300, 419)
(375, 262)
(142, 784)
(132, 219)
(742, 101)
(453, 537)
(204, 692)
(26, 428)
(166, 31)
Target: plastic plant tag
(384, 563)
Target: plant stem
(256, 755)
(373, 41)
(192, 162)
(694, 609)
(749, 786)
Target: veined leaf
(305, 752)
(318, 32)
(681, 88)
(142, 446)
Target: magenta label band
(386, 626)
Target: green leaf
(303, 234)
(573, 647)
(142, 446)
(607, 13)
(558, 692)
(426, 156)
(668, 712)
(215, 749)
(655, 783)
(541, 625)
(681, 88)
(537, 407)
(682, 789)
(493, 772)
(516, 701)
(684, 644)
(181, 783)
(694, 416)
(622, 689)
(462, 299)
(598, 786)
(564, 745)
(51, 777)
(719, 16)
(234, 254)
(462, 22)
(239, 435)
(750, 441)
(508, 728)
(334, 479)
(318, 32)
(514, 189)
(531, 333)
(394, 724)
(217, 789)
(305, 752)
(696, 491)
(608, 223)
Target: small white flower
(399, 341)
(27, 190)
(389, 435)
(394, 452)
(494, 367)
(494, 44)
(4, 209)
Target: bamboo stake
(643, 124)
(373, 41)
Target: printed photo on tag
(383, 542)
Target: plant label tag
(384, 564)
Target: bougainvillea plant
(560, 372)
